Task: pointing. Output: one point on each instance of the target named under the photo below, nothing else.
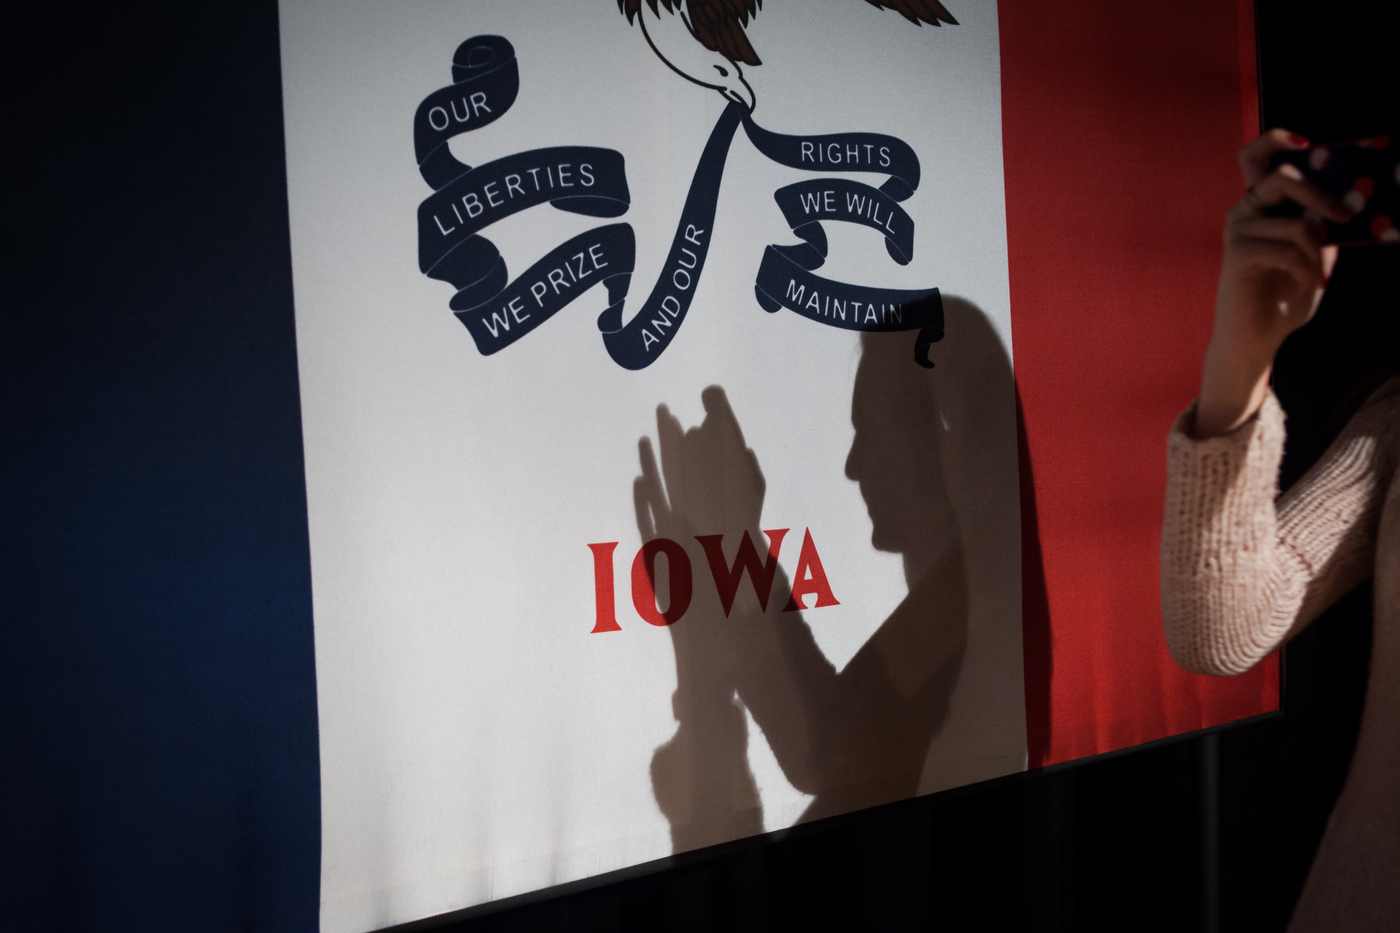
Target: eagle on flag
(704, 40)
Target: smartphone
(1364, 174)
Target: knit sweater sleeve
(1241, 574)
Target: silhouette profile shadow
(934, 698)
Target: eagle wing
(718, 25)
(918, 11)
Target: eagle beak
(673, 41)
(736, 89)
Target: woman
(1242, 573)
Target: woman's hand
(1270, 283)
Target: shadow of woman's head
(925, 439)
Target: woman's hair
(969, 400)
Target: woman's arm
(1241, 576)
(1238, 578)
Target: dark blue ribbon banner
(785, 278)
(638, 344)
(592, 181)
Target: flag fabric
(695, 446)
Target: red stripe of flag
(1120, 127)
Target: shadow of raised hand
(708, 483)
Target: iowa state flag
(719, 417)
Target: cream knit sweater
(1242, 573)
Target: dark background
(157, 703)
